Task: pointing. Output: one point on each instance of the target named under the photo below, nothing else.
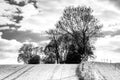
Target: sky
(43, 15)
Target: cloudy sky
(42, 15)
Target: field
(101, 71)
(88, 71)
(108, 71)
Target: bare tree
(81, 26)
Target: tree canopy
(78, 28)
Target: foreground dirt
(88, 71)
(40, 72)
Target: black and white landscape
(59, 39)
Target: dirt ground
(41, 72)
(90, 71)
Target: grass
(84, 71)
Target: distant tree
(34, 59)
(81, 27)
(26, 55)
(50, 58)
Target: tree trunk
(56, 51)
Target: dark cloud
(13, 2)
(116, 33)
(22, 2)
(106, 33)
(111, 33)
(22, 36)
(10, 26)
(117, 50)
(115, 2)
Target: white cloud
(9, 44)
(6, 10)
(0, 34)
(105, 48)
(33, 43)
(39, 23)
(9, 51)
(29, 10)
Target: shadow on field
(84, 71)
(78, 73)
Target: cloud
(112, 33)
(9, 49)
(54, 5)
(117, 50)
(29, 10)
(116, 33)
(9, 45)
(9, 26)
(109, 14)
(2, 56)
(108, 43)
(116, 3)
(39, 23)
(108, 48)
(14, 2)
(23, 36)
(21, 3)
(11, 14)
